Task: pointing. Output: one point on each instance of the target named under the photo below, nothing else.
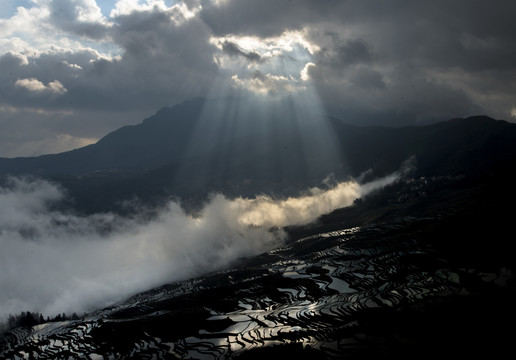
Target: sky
(73, 70)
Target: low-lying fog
(53, 262)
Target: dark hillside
(420, 269)
(474, 146)
(204, 146)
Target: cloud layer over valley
(54, 261)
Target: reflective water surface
(349, 293)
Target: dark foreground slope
(422, 269)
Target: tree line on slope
(28, 319)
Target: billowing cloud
(305, 75)
(232, 49)
(81, 17)
(178, 12)
(270, 65)
(267, 84)
(34, 85)
(53, 261)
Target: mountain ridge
(120, 140)
(203, 146)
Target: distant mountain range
(239, 148)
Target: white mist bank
(54, 262)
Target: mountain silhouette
(238, 147)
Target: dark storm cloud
(462, 48)
(265, 18)
(162, 62)
(373, 44)
(233, 49)
(338, 55)
(420, 61)
(408, 28)
(352, 52)
(79, 17)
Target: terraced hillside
(352, 285)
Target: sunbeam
(264, 113)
